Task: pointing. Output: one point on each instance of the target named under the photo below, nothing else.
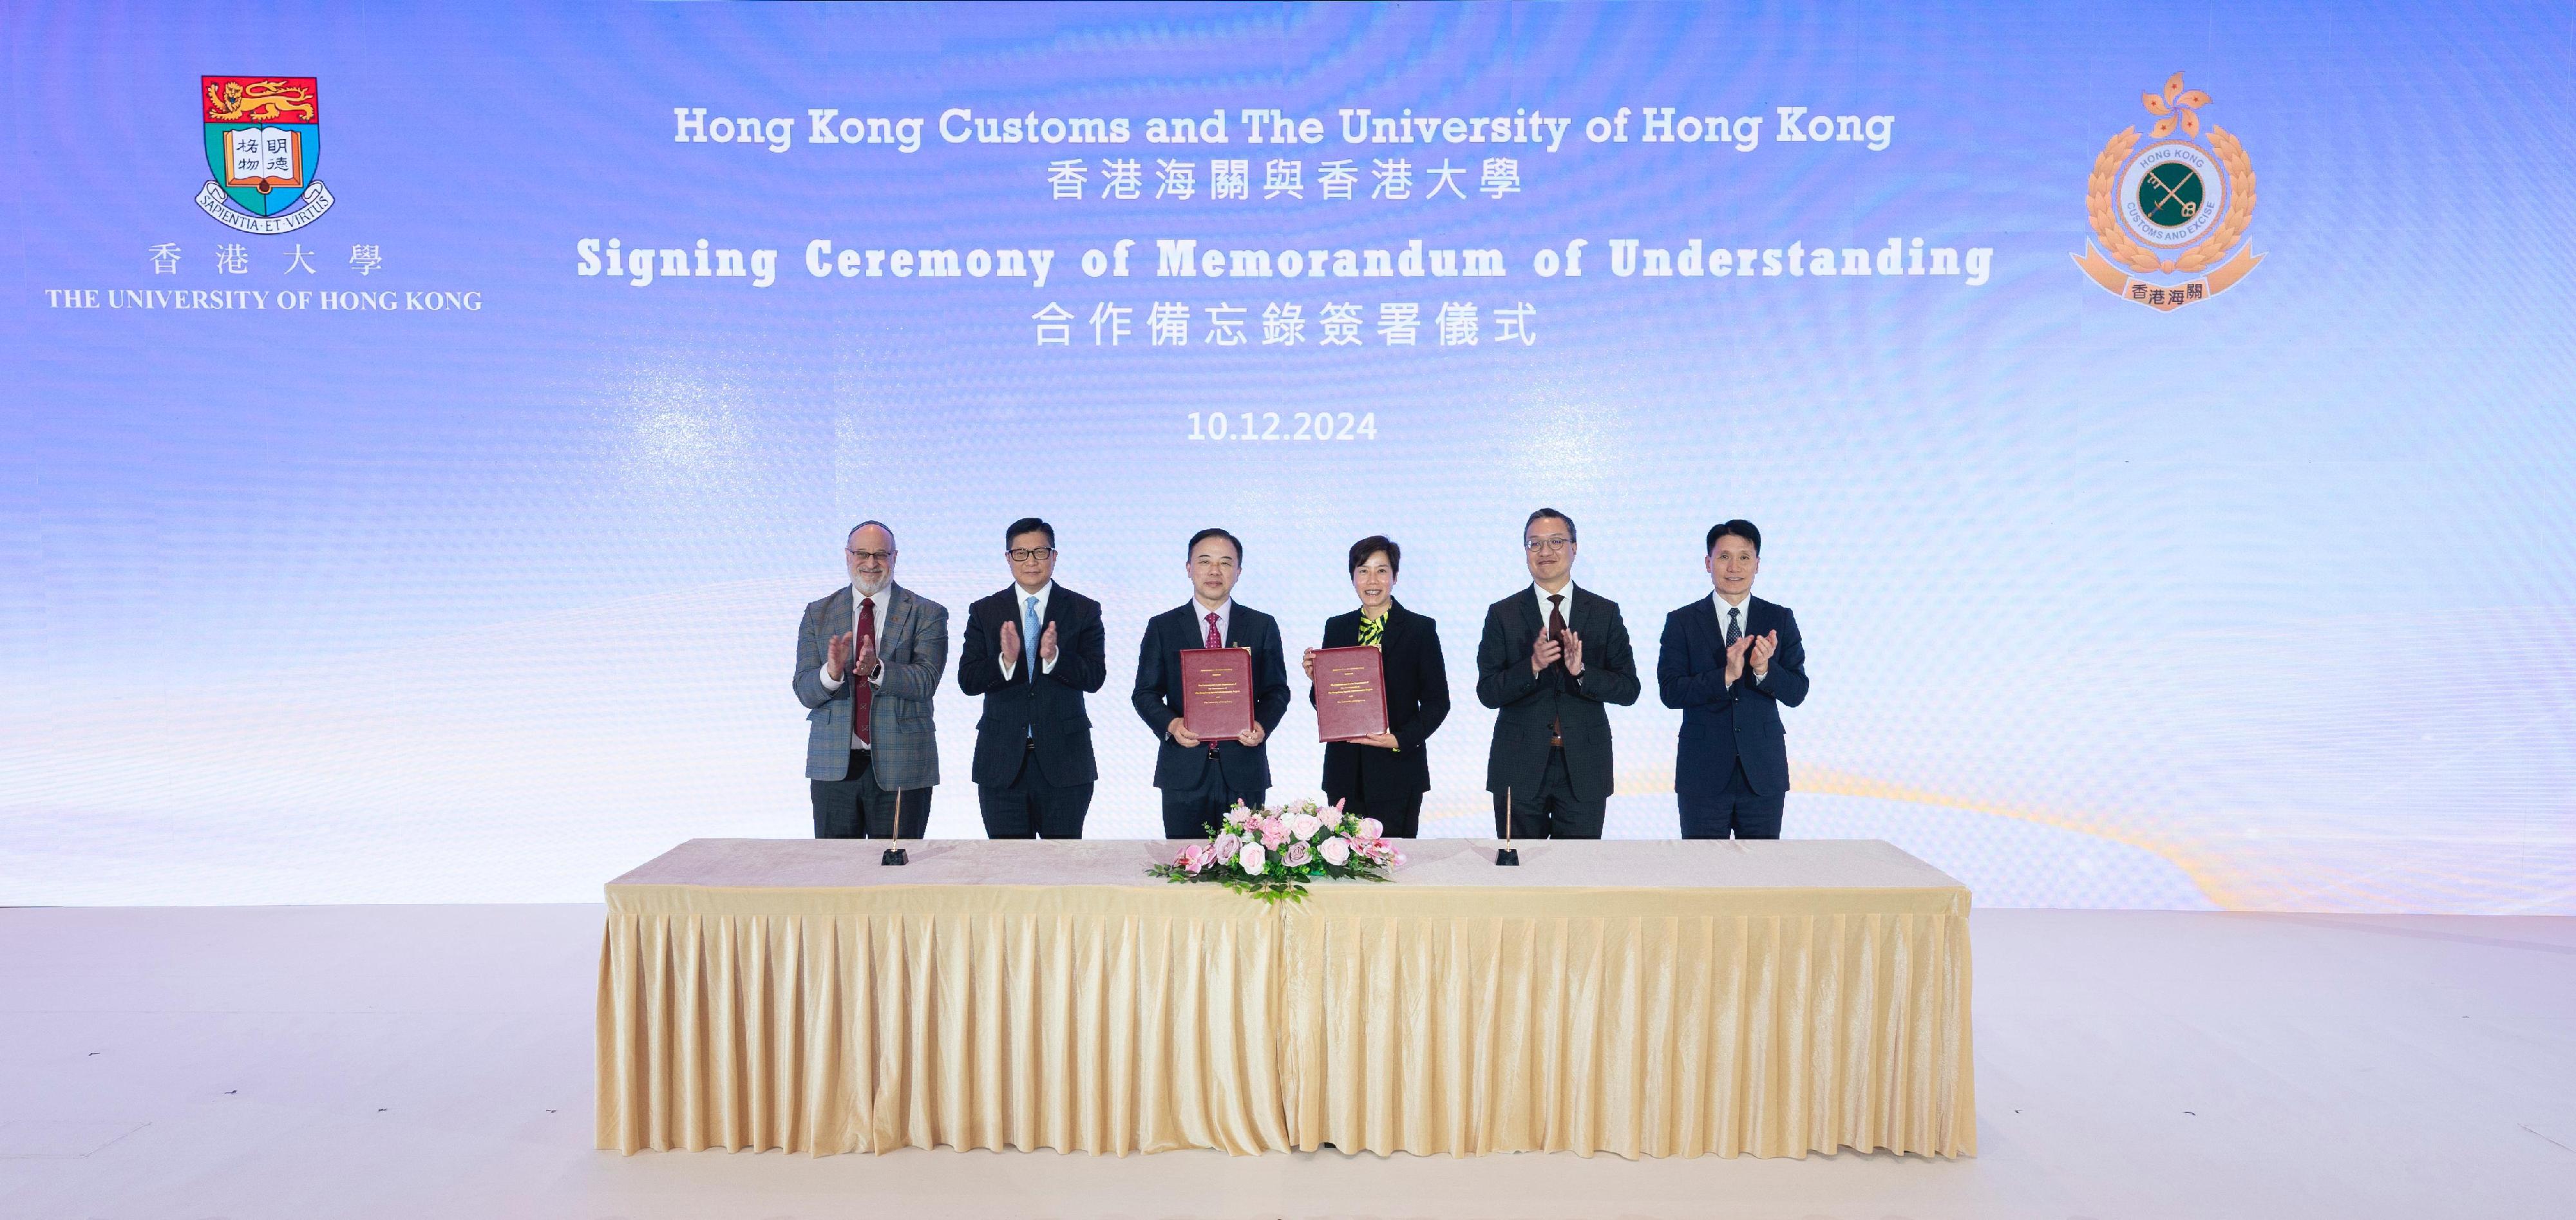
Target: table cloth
(1630, 997)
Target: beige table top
(1853, 868)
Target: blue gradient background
(2267, 603)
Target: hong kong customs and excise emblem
(2172, 210)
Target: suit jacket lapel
(895, 616)
(1703, 628)
(1535, 623)
(837, 610)
(1582, 607)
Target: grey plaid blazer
(912, 637)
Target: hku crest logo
(2174, 208)
(264, 144)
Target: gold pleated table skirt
(1636, 998)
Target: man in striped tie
(1033, 651)
(1201, 779)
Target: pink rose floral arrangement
(1272, 853)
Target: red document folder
(1216, 691)
(1350, 693)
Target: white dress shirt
(1199, 611)
(1565, 608)
(1020, 614)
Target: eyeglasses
(1030, 554)
(868, 556)
(1547, 545)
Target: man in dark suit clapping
(1552, 655)
(1032, 651)
(1202, 779)
(1730, 661)
(1384, 776)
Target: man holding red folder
(1202, 778)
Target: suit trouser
(1553, 812)
(1737, 808)
(1399, 817)
(1188, 813)
(1029, 807)
(855, 808)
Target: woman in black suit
(1384, 776)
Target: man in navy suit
(1202, 779)
(1032, 651)
(1729, 661)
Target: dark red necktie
(1556, 631)
(1214, 641)
(862, 695)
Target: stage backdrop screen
(426, 423)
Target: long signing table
(1637, 998)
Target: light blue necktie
(1029, 641)
(1029, 637)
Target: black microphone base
(894, 855)
(1507, 857)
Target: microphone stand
(896, 855)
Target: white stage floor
(379, 1062)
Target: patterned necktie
(1372, 631)
(1734, 625)
(862, 695)
(1029, 640)
(1213, 641)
